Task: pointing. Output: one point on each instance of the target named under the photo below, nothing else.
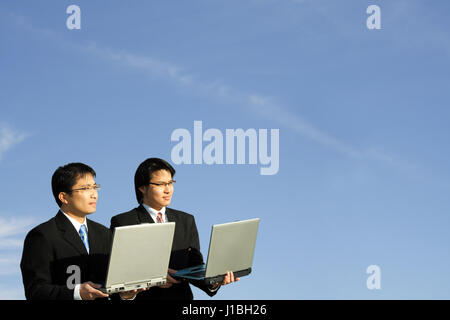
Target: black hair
(144, 174)
(65, 177)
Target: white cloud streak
(12, 235)
(13, 226)
(256, 103)
(147, 64)
(12, 232)
(9, 265)
(9, 138)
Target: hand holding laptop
(130, 295)
(229, 278)
(170, 281)
(88, 291)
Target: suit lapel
(69, 233)
(92, 238)
(143, 215)
(171, 216)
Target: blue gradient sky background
(363, 116)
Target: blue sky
(363, 173)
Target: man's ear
(63, 197)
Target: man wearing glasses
(67, 256)
(154, 186)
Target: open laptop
(139, 257)
(231, 248)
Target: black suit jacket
(185, 250)
(52, 247)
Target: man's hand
(130, 295)
(88, 291)
(229, 278)
(170, 281)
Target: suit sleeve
(120, 221)
(113, 224)
(36, 274)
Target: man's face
(158, 196)
(82, 202)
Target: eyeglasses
(163, 184)
(89, 188)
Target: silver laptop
(139, 257)
(231, 248)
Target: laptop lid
(231, 247)
(140, 253)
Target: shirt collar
(75, 223)
(154, 213)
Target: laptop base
(133, 286)
(200, 275)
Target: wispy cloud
(9, 137)
(12, 235)
(260, 105)
(12, 231)
(12, 226)
(9, 265)
(270, 109)
(148, 64)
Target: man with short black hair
(67, 256)
(154, 186)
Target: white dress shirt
(77, 225)
(154, 213)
